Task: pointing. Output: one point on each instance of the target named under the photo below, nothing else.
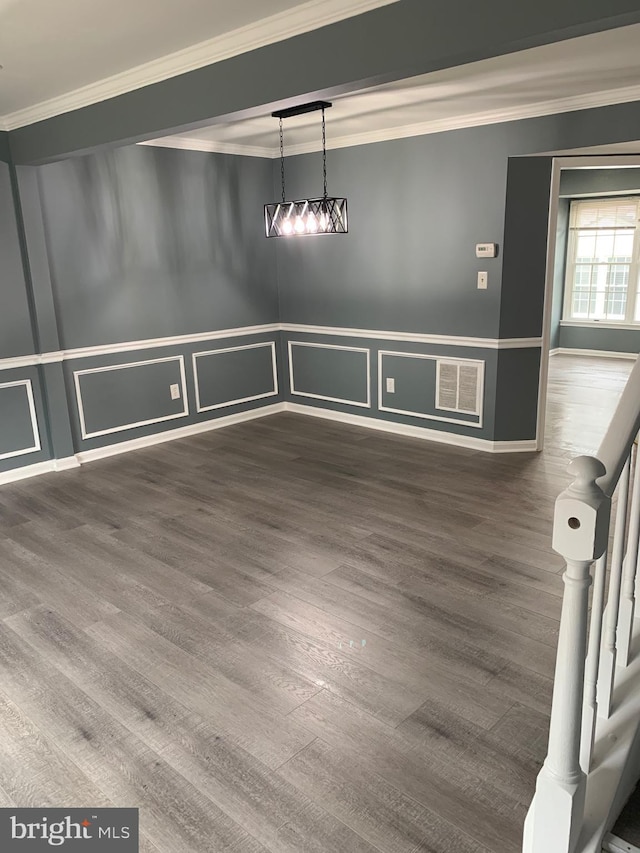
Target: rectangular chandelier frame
(308, 216)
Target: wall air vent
(459, 386)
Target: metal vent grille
(458, 386)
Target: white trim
(291, 344)
(283, 25)
(599, 324)
(196, 355)
(594, 353)
(589, 100)
(476, 424)
(547, 309)
(109, 450)
(439, 436)
(37, 446)
(66, 463)
(170, 435)
(266, 328)
(415, 337)
(174, 340)
(26, 471)
(211, 146)
(76, 379)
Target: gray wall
(148, 242)
(587, 182)
(417, 207)
(15, 326)
(4, 147)
(124, 246)
(607, 340)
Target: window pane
(586, 245)
(604, 245)
(623, 246)
(604, 236)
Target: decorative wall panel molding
(327, 374)
(12, 422)
(244, 376)
(434, 397)
(131, 402)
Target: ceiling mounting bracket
(301, 109)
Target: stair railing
(592, 653)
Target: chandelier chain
(282, 159)
(324, 154)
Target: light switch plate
(483, 280)
(175, 392)
(391, 385)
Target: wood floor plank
(176, 629)
(458, 791)
(258, 728)
(176, 815)
(379, 812)
(391, 660)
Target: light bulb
(324, 221)
(299, 226)
(312, 224)
(287, 227)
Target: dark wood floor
(290, 635)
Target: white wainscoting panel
(227, 403)
(36, 446)
(314, 345)
(77, 374)
(437, 358)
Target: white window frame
(570, 264)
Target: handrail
(594, 656)
(625, 424)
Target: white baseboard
(410, 431)
(218, 423)
(593, 353)
(172, 434)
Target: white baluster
(580, 535)
(608, 655)
(629, 570)
(590, 707)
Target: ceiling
(62, 55)
(57, 55)
(593, 70)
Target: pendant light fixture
(324, 215)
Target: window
(602, 261)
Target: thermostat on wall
(486, 250)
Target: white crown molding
(183, 143)
(589, 100)
(266, 328)
(284, 25)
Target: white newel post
(580, 532)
